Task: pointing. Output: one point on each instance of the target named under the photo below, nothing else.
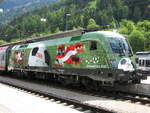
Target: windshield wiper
(122, 52)
(130, 53)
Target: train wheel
(90, 84)
(136, 81)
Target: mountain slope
(12, 8)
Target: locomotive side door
(95, 55)
(3, 58)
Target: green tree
(104, 17)
(137, 13)
(78, 27)
(127, 27)
(103, 4)
(103, 12)
(92, 23)
(57, 30)
(144, 27)
(15, 40)
(140, 6)
(130, 26)
(136, 39)
(123, 30)
(2, 42)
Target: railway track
(85, 107)
(131, 98)
(119, 95)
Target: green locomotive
(97, 57)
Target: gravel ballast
(118, 106)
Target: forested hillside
(129, 17)
(12, 8)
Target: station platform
(15, 101)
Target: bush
(136, 39)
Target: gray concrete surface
(118, 106)
(15, 101)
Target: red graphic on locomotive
(39, 55)
(19, 57)
(68, 54)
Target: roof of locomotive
(84, 36)
(96, 35)
(110, 34)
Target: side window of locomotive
(93, 45)
(3, 57)
(34, 51)
(47, 57)
(0, 57)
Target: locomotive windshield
(120, 46)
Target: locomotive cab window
(34, 51)
(93, 45)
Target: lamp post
(43, 20)
(66, 21)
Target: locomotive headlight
(123, 61)
(126, 65)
